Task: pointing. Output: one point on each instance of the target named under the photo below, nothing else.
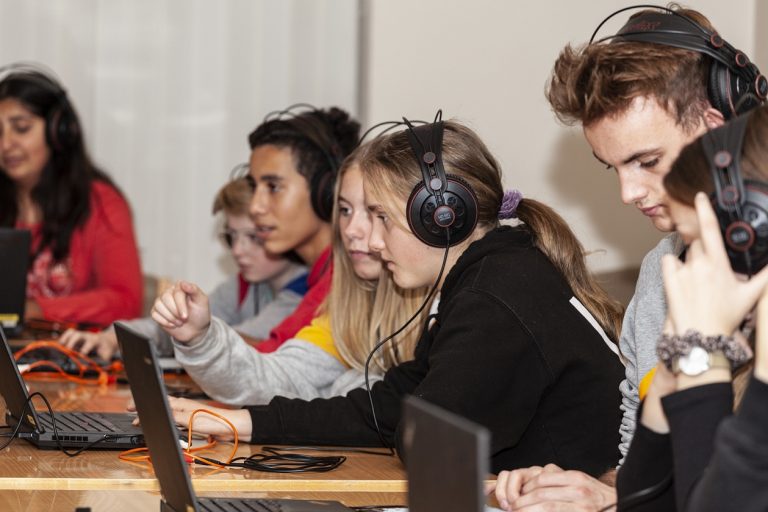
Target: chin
(663, 224)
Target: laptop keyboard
(78, 422)
(239, 505)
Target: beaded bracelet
(672, 347)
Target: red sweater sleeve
(319, 282)
(105, 263)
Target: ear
(713, 118)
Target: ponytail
(554, 238)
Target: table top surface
(24, 467)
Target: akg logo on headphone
(644, 26)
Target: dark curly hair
(317, 138)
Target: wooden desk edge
(203, 485)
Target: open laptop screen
(447, 458)
(14, 262)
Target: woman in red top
(84, 262)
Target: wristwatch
(699, 361)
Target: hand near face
(551, 488)
(183, 311)
(104, 342)
(704, 293)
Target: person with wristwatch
(691, 451)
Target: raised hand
(183, 311)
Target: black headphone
(61, 127)
(442, 209)
(310, 122)
(735, 84)
(741, 205)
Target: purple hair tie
(509, 204)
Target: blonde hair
(391, 171)
(362, 312)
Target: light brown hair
(234, 198)
(601, 79)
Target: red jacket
(319, 283)
(100, 281)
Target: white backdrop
(168, 91)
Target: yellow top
(645, 383)
(318, 332)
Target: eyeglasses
(231, 236)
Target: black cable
(271, 460)
(382, 342)
(342, 449)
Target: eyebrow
(374, 208)
(270, 177)
(635, 156)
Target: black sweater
(717, 461)
(508, 351)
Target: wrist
(711, 376)
(693, 354)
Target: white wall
(486, 62)
(168, 91)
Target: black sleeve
(481, 364)
(644, 481)
(737, 476)
(694, 415)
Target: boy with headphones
(641, 95)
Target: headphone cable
(379, 344)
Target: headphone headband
(735, 83)
(741, 205)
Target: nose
(259, 202)
(376, 241)
(238, 244)
(359, 226)
(6, 140)
(633, 189)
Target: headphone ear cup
(756, 215)
(321, 193)
(428, 221)
(62, 130)
(718, 88)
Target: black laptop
(73, 429)
(162, 438)
(14, 260)
(447, 458)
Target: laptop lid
(14, 390)
(160, 433)
(446, 457)
(14, 262)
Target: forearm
(231, 371)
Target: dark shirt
(712, 459)
(508, 350)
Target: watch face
(695, 363)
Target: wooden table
(29, 476)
